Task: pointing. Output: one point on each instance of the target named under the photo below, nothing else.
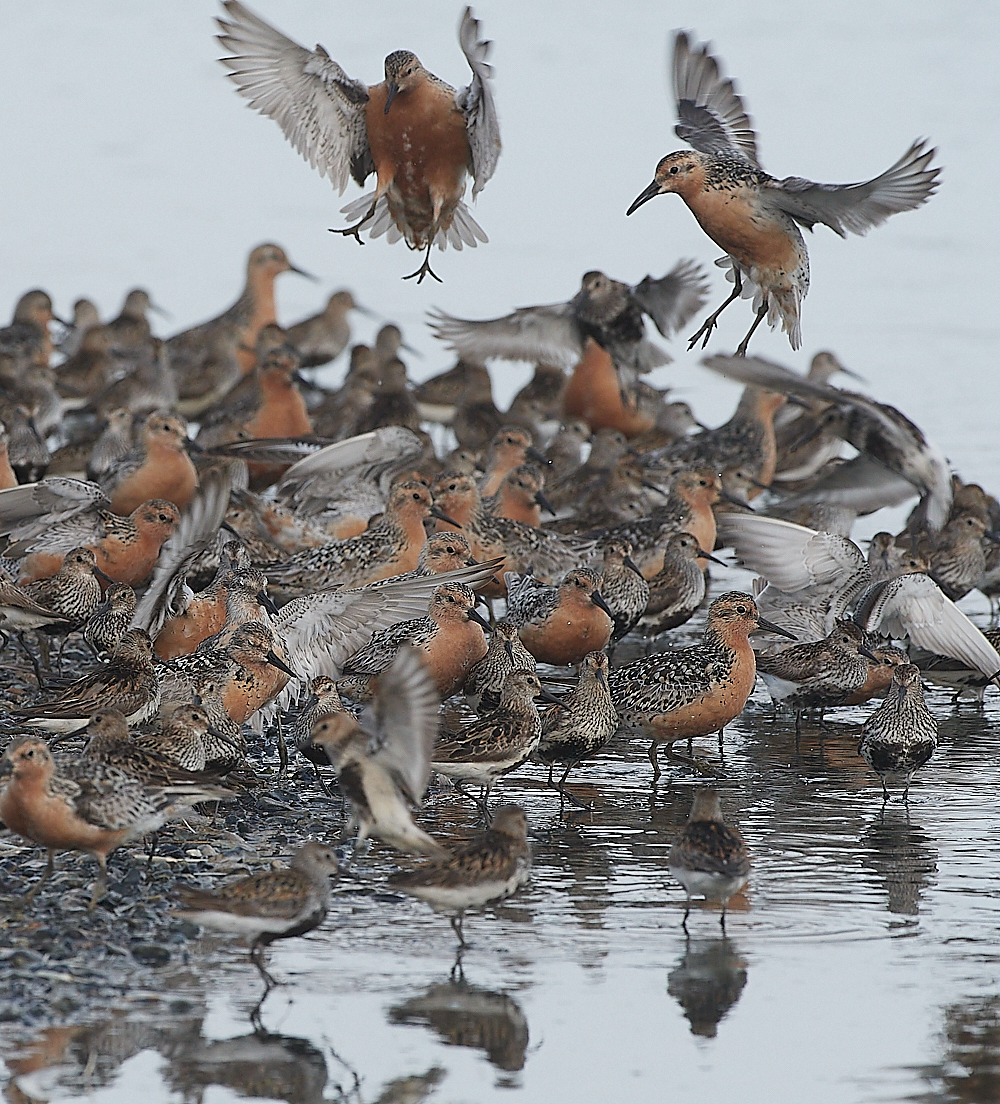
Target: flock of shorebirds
(239, 546)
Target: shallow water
(862, 962)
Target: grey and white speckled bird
(275, 904)
(901, 735)
(752, 215)
(504, 653)
(709, 858)
(819, 674)
(322, 337)
(384, 763)
(584, 723)
(490, 867)
(623, 588)
(677, 590)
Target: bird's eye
(741, 610)
(416, 497)
(674, 170)
(164, 517)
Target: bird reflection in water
(468, 1016)
(265, 1066)
(969, 1069)
(258, 1065)
(903, 857)
(707, 982)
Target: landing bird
(385, 765)
(883, 433)
(417, 133)
(752, 215)
(607, 311)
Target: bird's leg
(34, 662)
(565, 794)
(43, 650)
(355, 230)
(484, 803)
(722, 918)
(59, 656)
(885, 793)
(282, 749)
(687, 913)
(49, 870)
(713, 319)
(153, 841)
(257, 958)
(425, 269)
(101, 883)
(457, 974)
(741, 349)
(456, 927)
(654, 760)
(721, 732)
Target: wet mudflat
(861, 961)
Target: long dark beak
(633, 566)
(393, 92)
(509, 649)
(478, 618)
(302, 272)
(598, 599)
(157, 309)
(545, 504)
(731, 499)
(703, 555)
(435, 512)
(193, 446)
(265, 601)
(853, 375)
(229, 529)
(794, 400)
(546, 696)
(539, 457)
(61, 321)
(104, 578)
(366, 311)
(770, 626)
(651, 486)
(993, 535)
(410, 349)
(871, 655)
(644, 197)
(276, 661)
(220, 735)
(60, 736)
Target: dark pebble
(150, 954)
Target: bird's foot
(350, 231)
(424, 270)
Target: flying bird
(419, 135)
(753, 216)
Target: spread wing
(712, 116)
(862, 484)
(34, 508)
(791, 557)
(547, 334)
(475, 101)
(318, 106)
(856, 208)
(914, 606)
(321, 630)
(198, 529)
(327, 473)
(674, 299)
(405, 720)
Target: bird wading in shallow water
(751, 214)
(419, 135)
